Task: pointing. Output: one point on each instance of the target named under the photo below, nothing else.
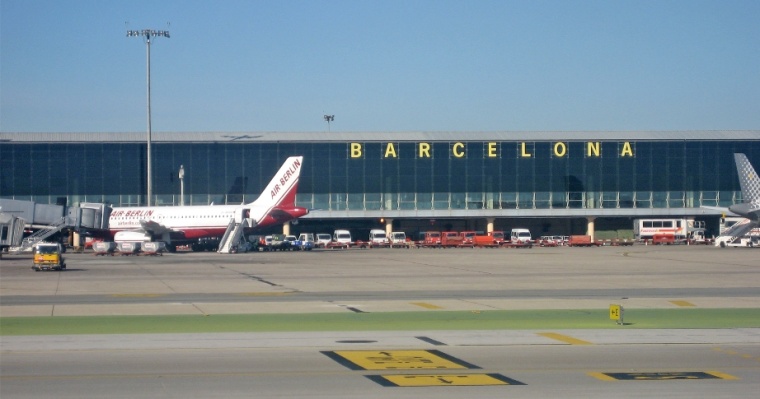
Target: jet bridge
(49, 219)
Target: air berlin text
(290, 173)
(132, 213)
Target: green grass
(424, 320)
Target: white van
(378, 238)
(398, 238)
(342, 237)
(323, 239)
(521, 236)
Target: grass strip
(386, 321)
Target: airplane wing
(154, 228)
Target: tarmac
(384, 280)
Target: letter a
(627, 151)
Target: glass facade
(388, 176)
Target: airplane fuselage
(189, 222)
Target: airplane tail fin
(281, 190)
(748, 179)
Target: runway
(625, 362)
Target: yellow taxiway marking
(601, 376)
(426, 305)
(425, 380)
(136, 295)
(682, 303)
(398, 360)
(723, 376)
(565, 338)
(264, 293)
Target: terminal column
(388, 227)
(286, 228)
(590, 226)
(489, 224)
(77, 240)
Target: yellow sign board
(398, 360)
(616, 313)
(431, 380)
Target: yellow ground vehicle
(47, 256)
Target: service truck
(306, 241)
(430, 239)
(468, 238)
(48, 256)
(498, 236)
(451, 239)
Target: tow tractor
(47, 256)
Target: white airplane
(750, 208)
(750, 185)
(177, 225)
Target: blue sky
(410, 65)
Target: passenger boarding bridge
(50, 219)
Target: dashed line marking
(431, 341)
(426, 305)
(683, 304)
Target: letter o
(560, 149)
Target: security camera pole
(148, 34)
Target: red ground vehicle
(485, 242)
(451, 239)
(430, 239)
(468, 238)
(498, 236)
(581, 241)
(663, 239)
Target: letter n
(593, 149)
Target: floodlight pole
(148, 34)
(182, 185)
(328, 119)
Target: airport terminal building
(551, 182)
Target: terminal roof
(327, 137)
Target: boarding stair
(40, 235)
(231, 237)
(737, 231)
